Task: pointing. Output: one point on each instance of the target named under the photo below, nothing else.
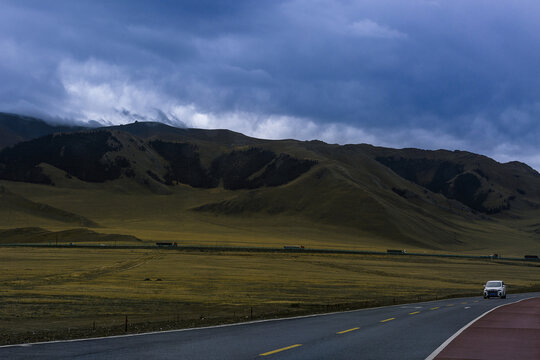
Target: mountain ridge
(203, 158)
(425, 199)
(15, 128)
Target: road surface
(411, 331)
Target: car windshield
(493, 284)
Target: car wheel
(503, 297)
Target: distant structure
(396, 251)
(166, 244)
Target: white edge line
(192, 329)
(451, 338)
(224, 325)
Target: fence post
(251, 313)
(126, 324)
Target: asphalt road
(394, 332)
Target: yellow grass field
(56, 293)
(49, 293)
(122, 207)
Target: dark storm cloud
(453, 74)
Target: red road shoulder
(508, 332)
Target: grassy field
(126, 208)
(53, 293)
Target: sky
(459, 74)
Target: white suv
(495, 288)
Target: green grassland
(360, 222)
(57, 293)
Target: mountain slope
(16, 128)
(103, 155)
(361, 199)
(16, 203)
(177, 183)
(475, 180)
(38, 235)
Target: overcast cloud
(417, 73)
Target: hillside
(12, 205)
(475, 180)
(158, 182)
(102, 155)
(36, 235)
(16, 128)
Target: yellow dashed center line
(346, 331)
(278, 350)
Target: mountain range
(219, 185)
